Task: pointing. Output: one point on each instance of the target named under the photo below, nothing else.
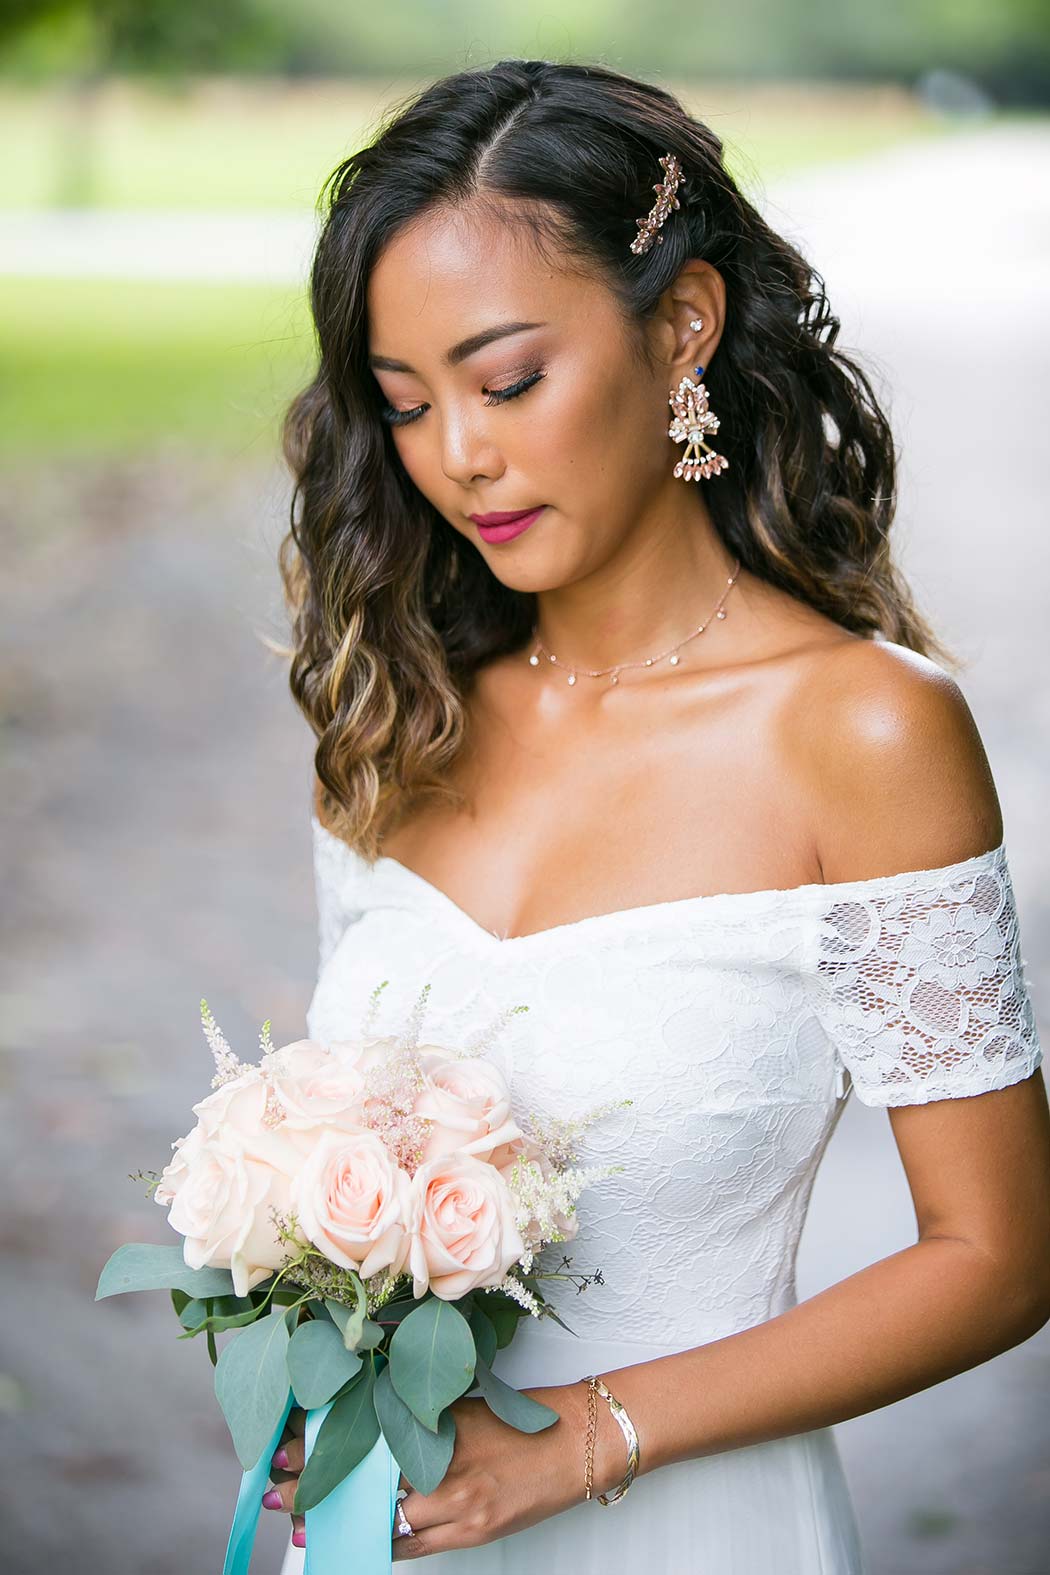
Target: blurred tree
(89, 41)
(1004, 44)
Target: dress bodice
(735, 1023)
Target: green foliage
(358, 1331)
(251, 1384)
(319, 1364)
(415, 38)
(140, 1266)
(510, 1405)
(346, 1435)
(215, 1315)
(423, 1455)
(484, 1332)
(503, 1313)
(432, 1358)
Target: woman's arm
(976, 1282)
(899, 780)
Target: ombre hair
(393, 611)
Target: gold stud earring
(693, 418)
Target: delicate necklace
(718, 611)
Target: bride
(625, 713)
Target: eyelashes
(499, 396)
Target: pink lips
(504, 527)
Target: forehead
(450, 273)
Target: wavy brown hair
(393, 610)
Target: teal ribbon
(356, 1519)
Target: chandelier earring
(693, 420)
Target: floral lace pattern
(923, 984)
(735, 1023)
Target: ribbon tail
(249, 1504)
(355, 1521)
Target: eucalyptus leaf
(422, 1455)
(251, 1384)
(193, 1313)
(510, 1405)
(503, 1314)
(319, 1364)
(140, 1266)
(372, 1334)
(217, 1313)
(396, 1312)
(432, 1359)
(346, 1435)
(484, 1332)
(215, 1324)
(359, 1333)
(179, 1300)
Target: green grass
(243, 144)
(95, 367)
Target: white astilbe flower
(558, 1136)
(519, 1293)
(486, 1038)
(544, 1203)
(227, 1066)
(267, 1046)
(368, 1026)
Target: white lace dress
(737, 1024)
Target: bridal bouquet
(366, 1215)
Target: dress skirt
(781, 1508)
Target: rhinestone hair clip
(665, 201)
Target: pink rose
(184, 1152)
(236, 1106)
(469, 1103)
(352, 1202)
(315, 1086)
(220, 1195)
(463, 1233)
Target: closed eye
(499, 396)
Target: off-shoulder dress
(737, 1024)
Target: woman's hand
(499, 1481)
(285, 1467)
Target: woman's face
(558, 414)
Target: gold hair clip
(665, 201)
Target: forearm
(894, 1328)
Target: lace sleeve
(921, 983)
(329, 869)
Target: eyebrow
(460, 352)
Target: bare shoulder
(897, 770)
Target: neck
(664, 581)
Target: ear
(699, 291)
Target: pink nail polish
(299, 1539)
(272, 1499)
(280, 1459)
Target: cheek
(604, 427)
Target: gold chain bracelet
(596, 1387)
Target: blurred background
(161, 164)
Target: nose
(467, 449)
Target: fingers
(291, 1456)
(288, 1460)
(281, 1495)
